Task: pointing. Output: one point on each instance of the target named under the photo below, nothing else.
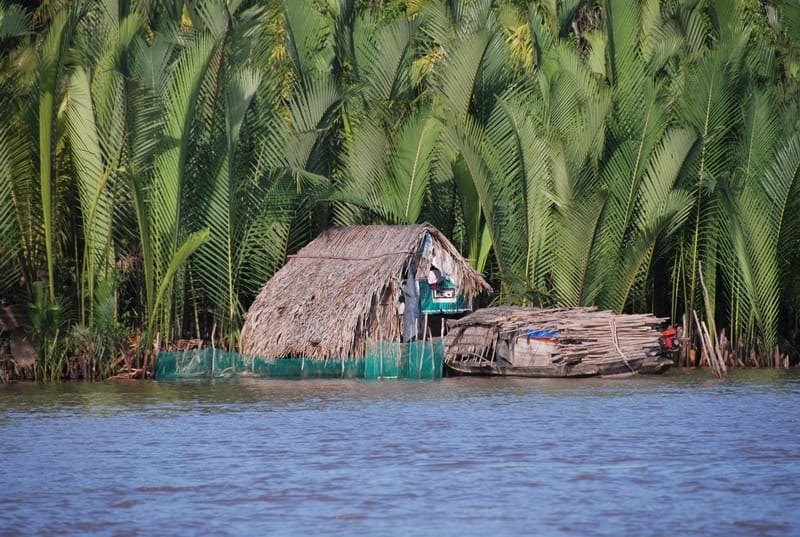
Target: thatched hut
(355, 284)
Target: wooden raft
(587, 336)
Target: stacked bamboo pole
(586, 335)
(600, 337)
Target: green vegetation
(160, 160)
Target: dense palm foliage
(159, 161)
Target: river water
(680, 454)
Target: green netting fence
(383, 360)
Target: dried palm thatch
(586, 335)
(343, 288)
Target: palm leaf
(268, 194)
(458, 79)
(383, 60)
(477, 233)
(312, 110)
(265, 241)
(153, 63)
(577, 108)
(751, 272)
(455, 20)
(171, 162)
(622, 178)
(578, 220)
(14, 21)
(365, 164)
(176, 262)
(770, 232)
(93, 176)
(215, 16)
(523, 187)
(51, 66)
(345, 65)
(146, 84)
(710, 107)
(473, 176)
(412, 155)
(655, 209)
(307, 32)
(695, 27)
(14, 158)
(221, 210)
(623, 22)
(543, 32)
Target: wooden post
(717, 364)
(213, 350)
(707, 304)
(683, 355)
(424, 339)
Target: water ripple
(682, 454)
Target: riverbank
(18, 360)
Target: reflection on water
(681, 454)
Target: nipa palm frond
(171, 166)
(384, 60)
(410, 167)
(14, 152)
(95, 181)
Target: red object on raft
(670, 339)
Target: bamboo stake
(718, 367)
(706, 300)
(213, 349)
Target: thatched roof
(586, 334)
(342, 288)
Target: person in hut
(435, 278)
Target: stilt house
(356, 284)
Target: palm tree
(470, 65)
(390, 141)
(31, 180)
(17, 236)
(247, 207)
(760, 191)
(579, 152)
(644, 157)
(98, 129)
(523, 153)
(52, 65)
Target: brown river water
(681, 454)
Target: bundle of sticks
(592, 336)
